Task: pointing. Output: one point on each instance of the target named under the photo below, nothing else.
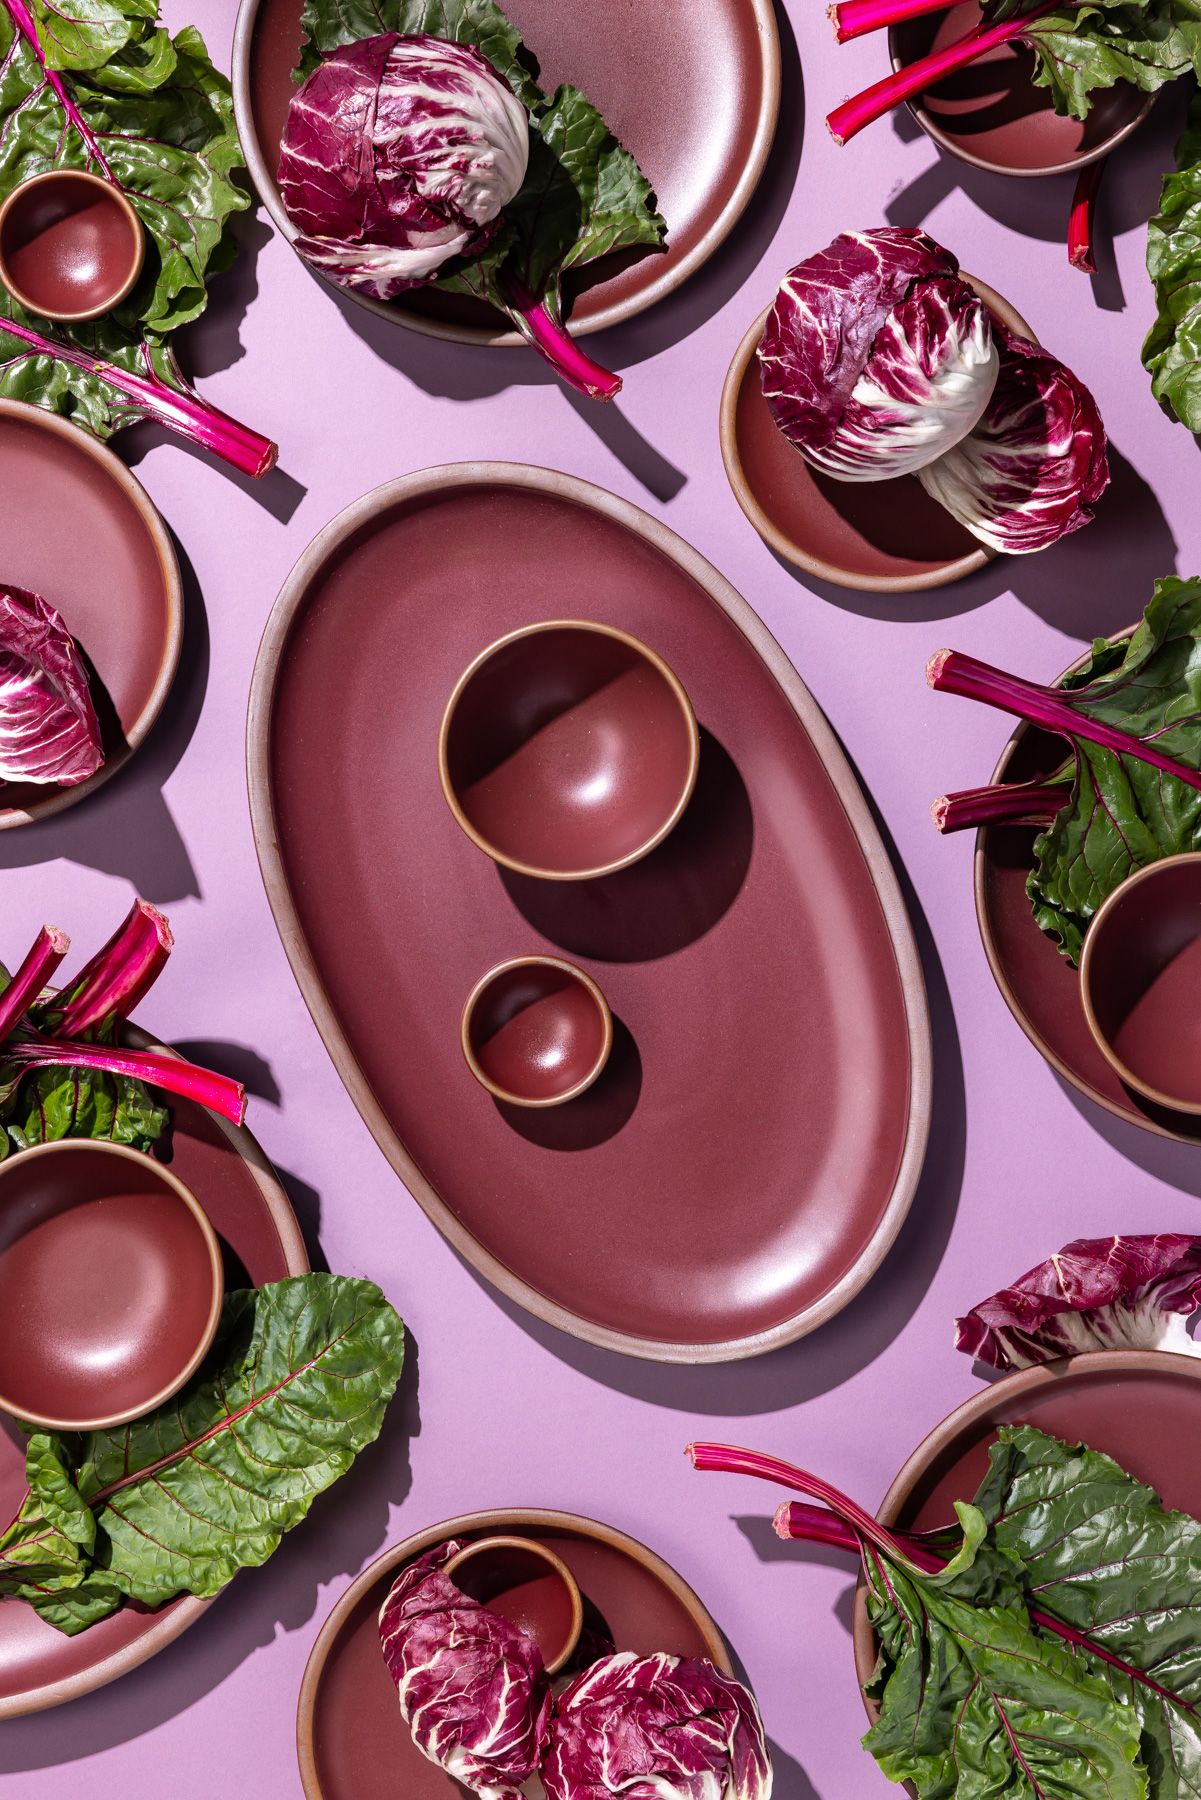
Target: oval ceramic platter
(702, 137)
(746, 1160)
(1041, 989)
(351, 1741)
(260, 1240)
(79, 530)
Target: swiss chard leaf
(87, 33)
(327, 24)
(1172, 351)
(1091, 46)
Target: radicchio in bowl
(48, 726)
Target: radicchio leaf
(48, 726)
(876, 358)
(472, 1685)
(656, 1728)
(1115, 1293)
(1035, 465)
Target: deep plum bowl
(525, 1582)
(71, 245)
(536, 1031)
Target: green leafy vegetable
(1083, 48)
(1172, 351)
(296, 1384)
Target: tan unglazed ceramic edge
(186, 1612)
(437, 481)
(783, 545)
(540, 1552)
(124, 1153)
(58, 799)
(619, 311)
(953, 145)
(531, 1518)
(537, 962)
(1009, 1388)
(111, 192)
(678, 694)
(1102, 914)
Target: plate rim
(439, 481)
(501, 337)
(58, 799)
(493, 1519)
(168, 1626)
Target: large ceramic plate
(748, 1157)
(696, 103)
(236, 1185)
(1040, 988)
(77, 528)
(350, 1738)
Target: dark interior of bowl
(994, 112)
(537, 1032)
(106, 1285)
(568, 750)
(67, 245)
(1145, 979)
(523, 1586)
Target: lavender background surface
(506, 1411)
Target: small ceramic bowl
(1140, 981)
(110, 1284)
(878, 537)
(568, 750)
(71, 245)
(992, 114)
(536, 1031)
(526, 1583)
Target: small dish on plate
(568, 750)
(536, 1031)
(878, 537)
(111, 1284)
(528, 1584)
(71, 245)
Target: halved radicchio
(1114, 1293)
(48, 726)
(656, 1728)
(472, 1685)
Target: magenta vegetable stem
(175, 1076)
(854, 18)
(560, 349)
(22, 18)
(120, 975)
(729, 1459)
(903, 84)
(49, 948)
(1081, 223)
(950, 672)
(1007, 803)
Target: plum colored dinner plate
(260, 1240)
(79, 530)
(350, 1738)
(743, 1164)
(1040, 988)
(1142, 1407)
(702, 137)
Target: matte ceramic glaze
(568, 750)
(702, 137)
(110, 1285)
(71, 245)
(993, 115)
(772, 1061)
(351, 1740)
(875, 536)
(536, 1031)
(526, 1583)
(260, 1241)
(77, 528)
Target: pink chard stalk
(549, 337)
(1007, 803)
(855, 18)
(1081, 222)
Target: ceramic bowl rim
(537, 961)
(111, 192)
(541, 1553)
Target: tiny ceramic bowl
(536, 1031)
(525, 1582)
(878, 537)
(993, 115)
(71, 245)
(568, 750)
(111, 1284)
(1140, 981)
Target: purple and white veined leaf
(48, 727)
(1035, 465)
(472, 1685)
(876, 357)
(399, 154)
(1114, 1293)
(656, 1728)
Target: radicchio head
(1035, 465)
(48, 726)
(1114, 1293)
(399, 153)
(656, 1728)
(473, 1689)
(876, 358)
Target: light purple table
(504, 1411)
